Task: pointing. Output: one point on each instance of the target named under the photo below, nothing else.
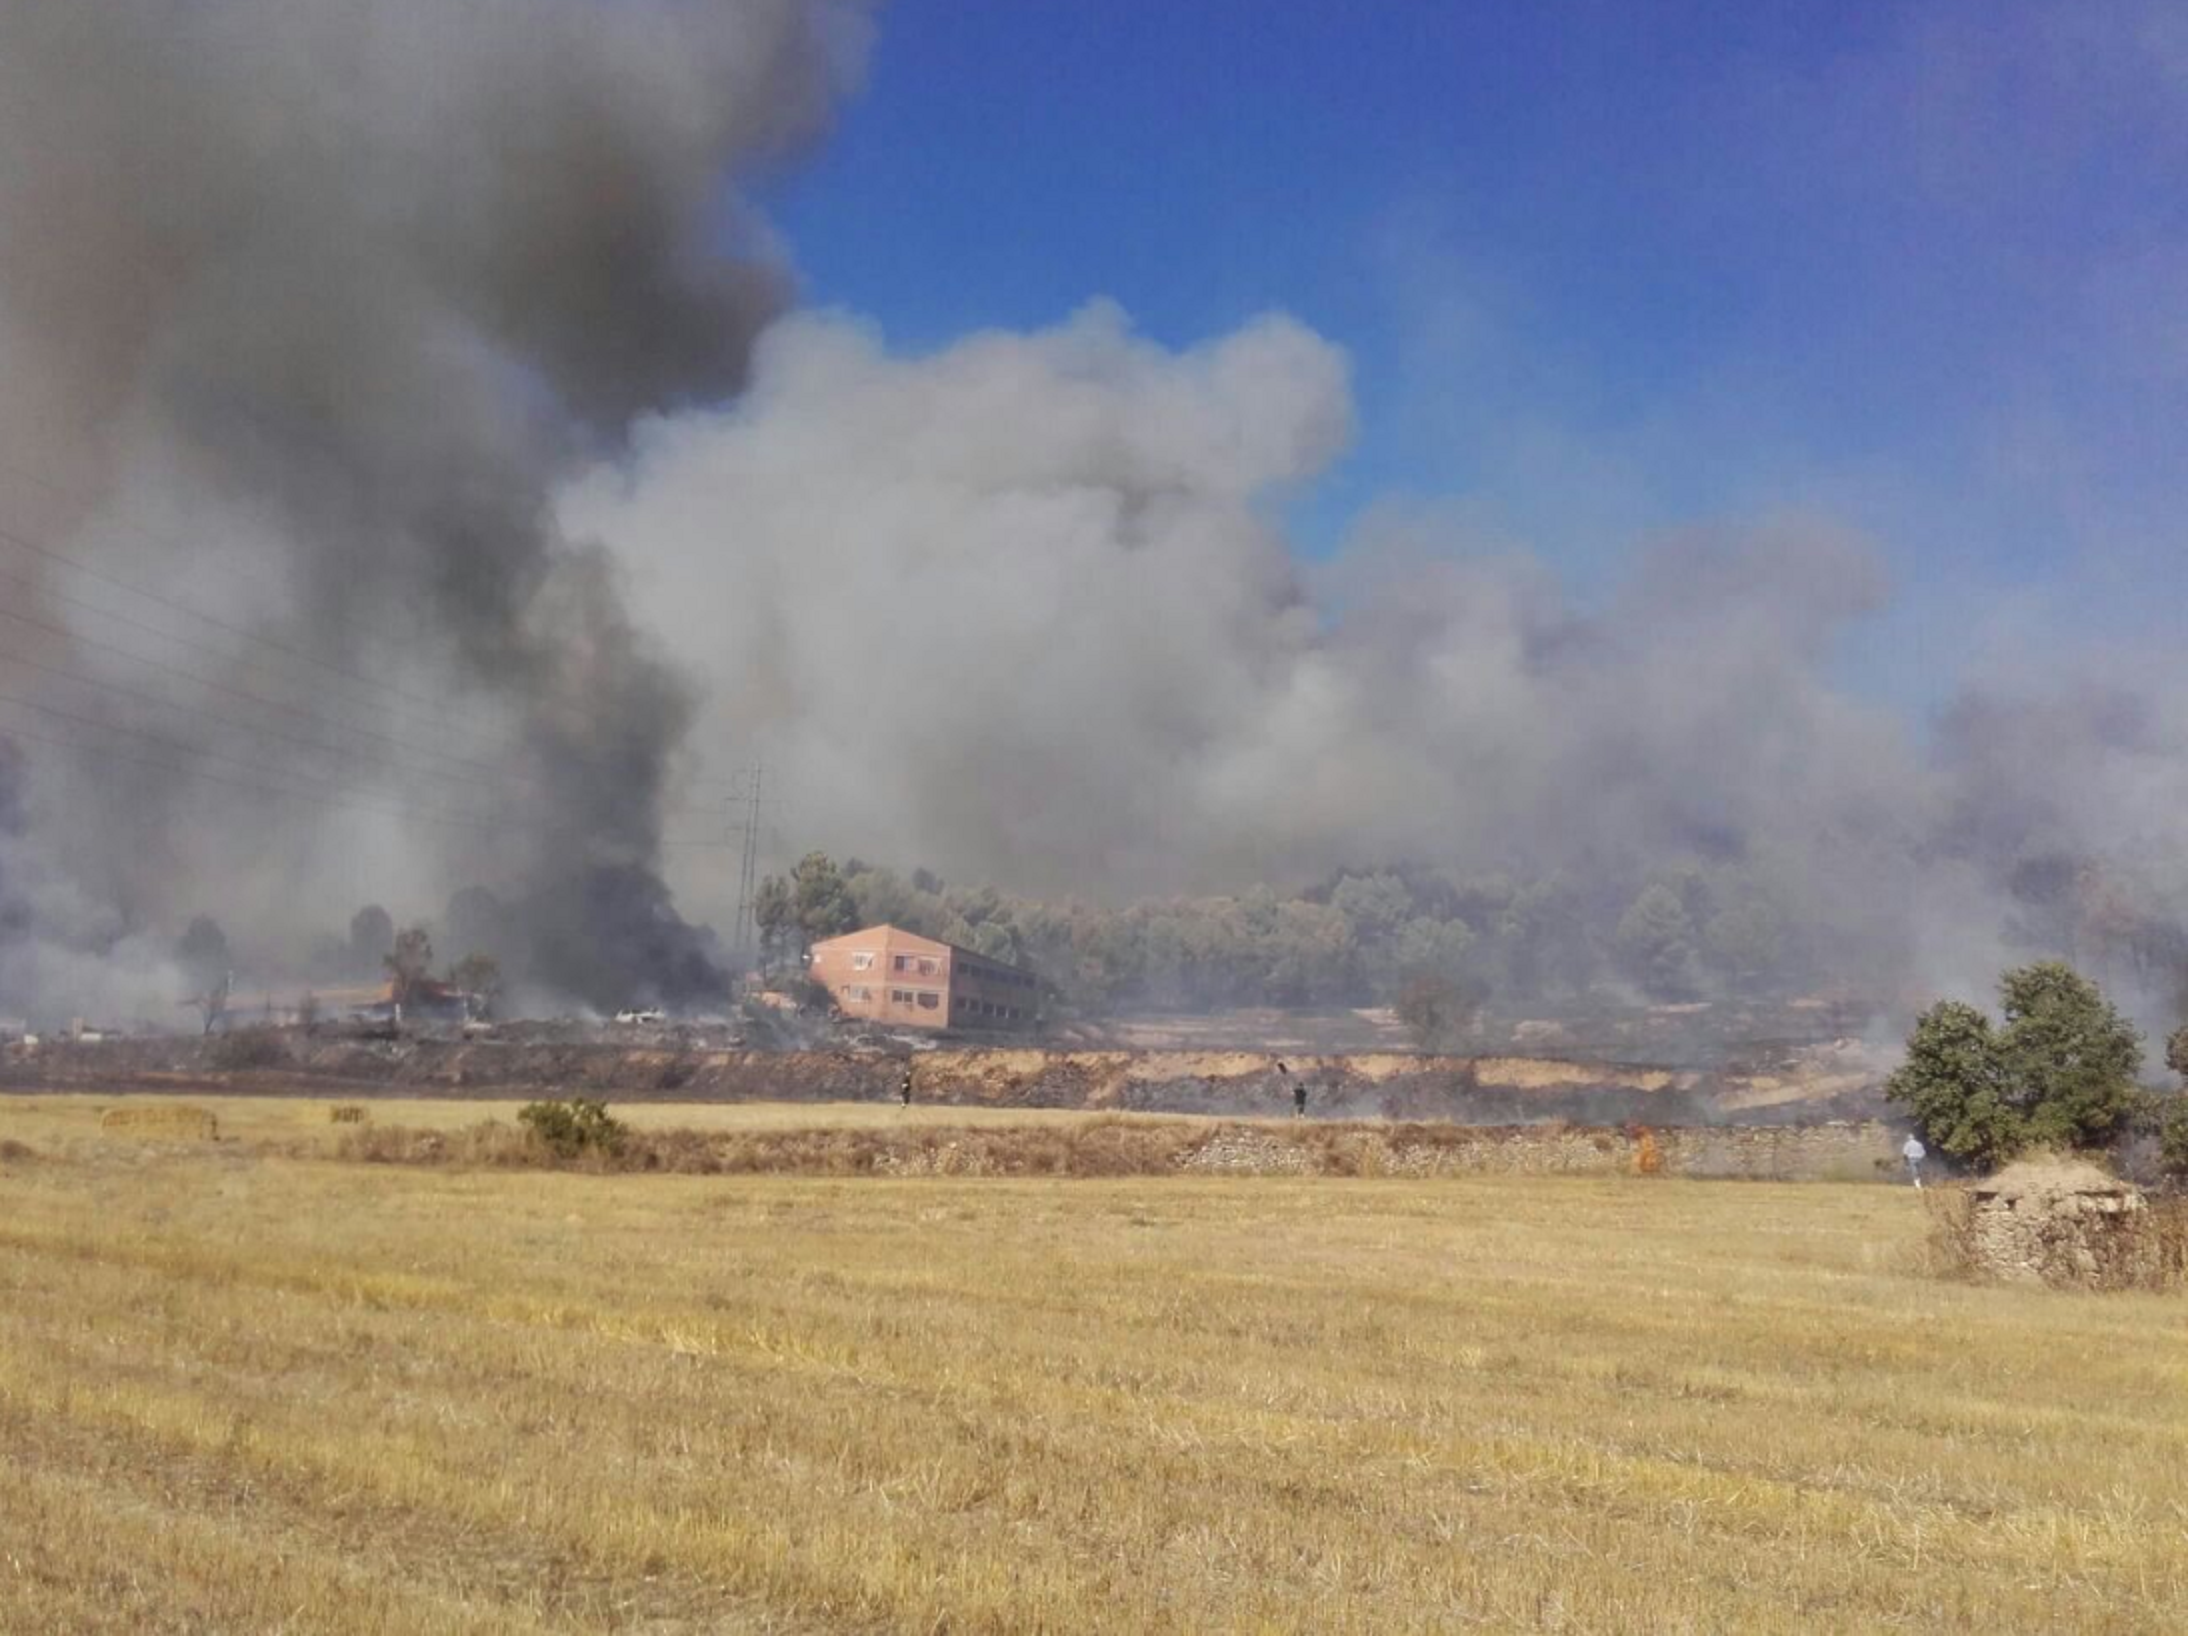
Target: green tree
(2071, 1057)
(1655, 941)
(2173, 1136)
(2170, 1113)
(2061, 1071)
(371, 935)
(775, 916)
(409, 963)
(823, 904)
(478, 975)
(1746, 942)
(1953, 1084)
(1438, 1008)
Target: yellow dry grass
(64, 1119)
(160, 1122)
(243, 1392)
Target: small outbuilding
(2063, 1223)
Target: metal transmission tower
(746, 938)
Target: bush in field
(575, 1127)
(2059, 1073)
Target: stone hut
(2064, 1223)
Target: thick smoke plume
(336, 320)
(304, 305)
(1023, 611)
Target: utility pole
(747, 934)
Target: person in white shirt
(1914, 1153)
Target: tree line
(1437, 942)
(2059, 1069)
(1440, 939)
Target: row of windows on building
(927, 965)
(929, 999)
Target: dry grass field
(247, 1392)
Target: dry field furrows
(241, 1393)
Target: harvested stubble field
(247, 1391)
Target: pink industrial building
(899, 979)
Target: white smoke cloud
(1023, 610)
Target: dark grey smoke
(328, 294)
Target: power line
(208, 649)
(213, 621)
(193, 767)
(172, 542)
(76, 638)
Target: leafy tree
(2071, 1056)
(1655, 941)
(822, 903)
(2176, 1052)
(207, 964)
(1953, 1083)
(202, 952)
(775, 915)
(371, 935)
(2173, 1137)
(2060, 1071)
(1438, 1008)
(1746, 942)
(410, 962)
(478, 975)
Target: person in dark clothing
(1299, 1099)
(904, 1091)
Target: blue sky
(1605, 270)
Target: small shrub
(578, 1126)
(347, 1113)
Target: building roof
(894, 938)
(2048, 1177)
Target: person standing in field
(904, 1091)
(1914, 1153)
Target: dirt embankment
(1477, 1090)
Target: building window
(862, 962)
(927, 967)
(929, 1000)
(903, 962)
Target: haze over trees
(1449, 941)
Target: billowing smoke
(304, 306)
(1023, 610)
(349, 326)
